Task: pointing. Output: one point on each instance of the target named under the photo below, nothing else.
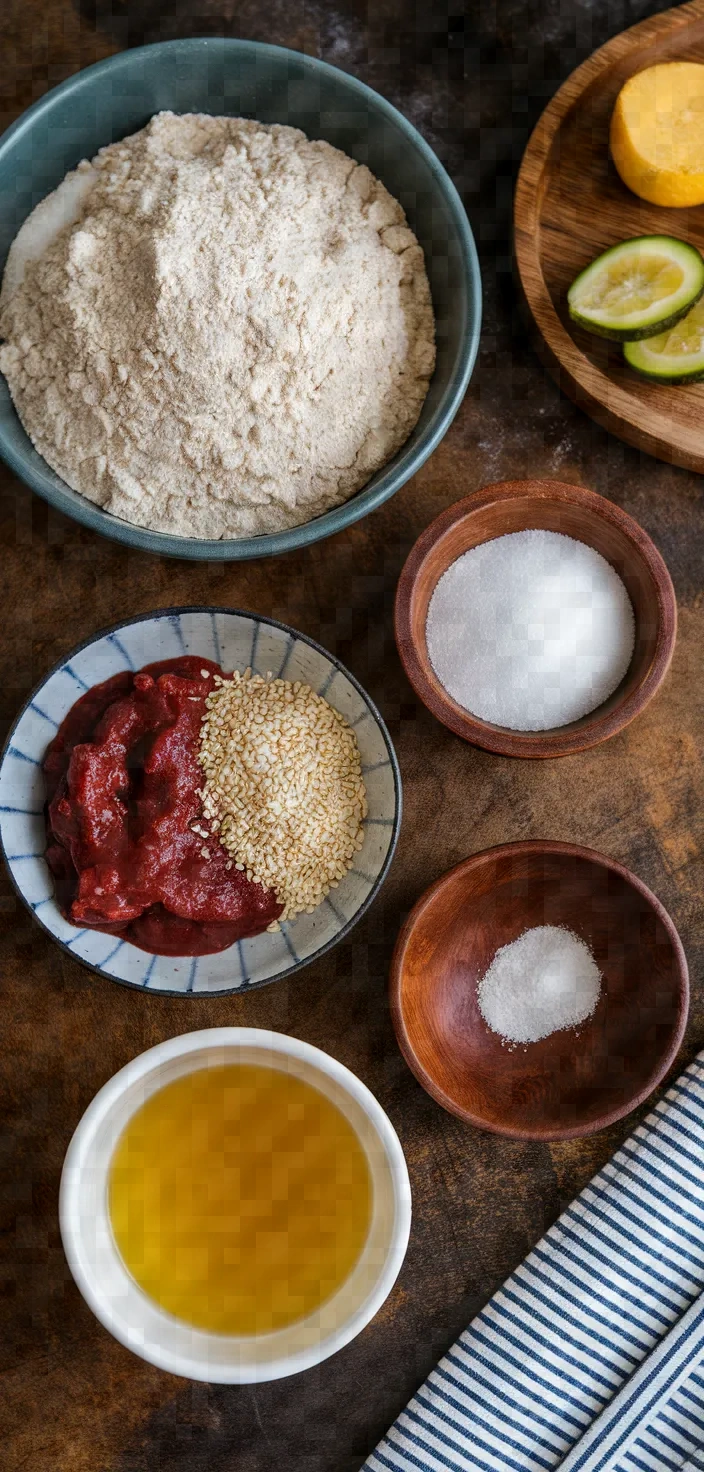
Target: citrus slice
(676, 356)
(657, 133)
(638, 288)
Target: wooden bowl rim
(425, 901)
(592, 729)
(606, 401)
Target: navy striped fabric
(591, 1356)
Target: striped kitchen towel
(591, 1356)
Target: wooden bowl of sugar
(512, 553)
(574, 1080)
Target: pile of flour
(218, 328)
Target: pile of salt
(544, 981)
(530, 630)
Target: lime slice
(675, 356)
(638, 288)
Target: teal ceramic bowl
(245, 78)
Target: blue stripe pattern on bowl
(236, 640)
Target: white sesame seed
(284, 784)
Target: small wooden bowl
(551, 505)
(578, 1080)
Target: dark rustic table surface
(473, 80)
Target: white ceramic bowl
(233, 639)
(135, 1319)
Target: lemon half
(657, 133)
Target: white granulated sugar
(544, 981)
(219, 328)
(530, 630)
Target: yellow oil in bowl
(240, 1198)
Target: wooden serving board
(570, 205)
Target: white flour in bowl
(219, 328)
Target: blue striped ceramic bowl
(235, 640)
